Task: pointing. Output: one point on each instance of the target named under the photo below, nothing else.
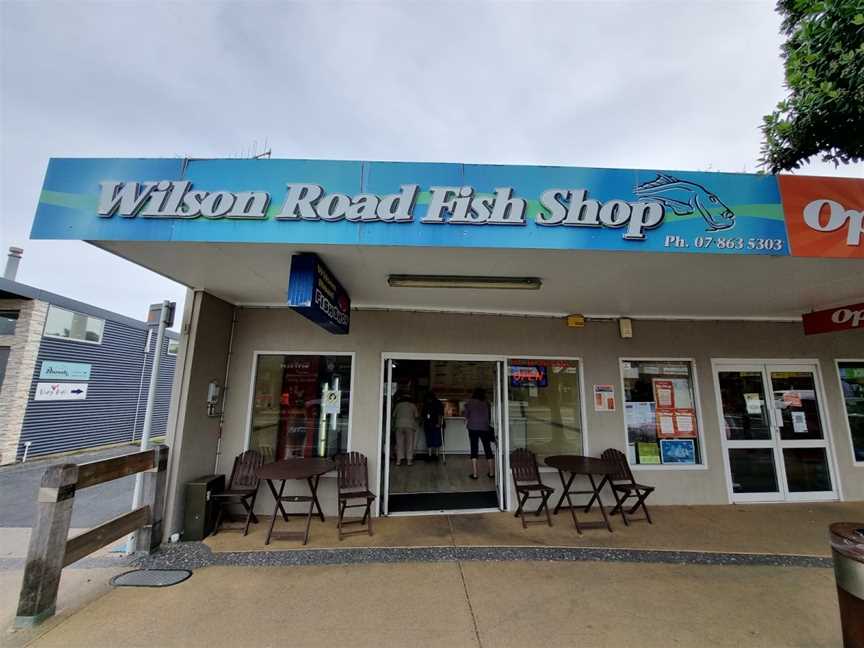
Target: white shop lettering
(846, 315)
(446, 205)
(838, 217)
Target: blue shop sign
(54, 370)
(315, 293)
(336, 202)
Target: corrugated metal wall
(163, 391)
(116, 394)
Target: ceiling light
(462, 281)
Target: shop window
(173, 345)
(545, 406)
(852, 383)
(66, 324)
(301, 405)
(660, 413)
(8, 320)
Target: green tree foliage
(824, 112)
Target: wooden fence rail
(50, 547)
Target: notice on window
(665, 424)
(792, 399)
(754, 403)
(604, 398)
(684, 424)
(649, 453)
(681, 393)
(663, 394)
(331, 400)
(799, 423)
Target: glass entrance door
(425, 439)
(774, 437)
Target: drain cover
(151, 578)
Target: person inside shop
(478, 421)
(433, 424)
(405, 417)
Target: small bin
(847, 549)
(200, 512)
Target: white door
(802, 435)
(387, 415)
(774, 437)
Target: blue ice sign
(315, 293)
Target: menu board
(460, 379)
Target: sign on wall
(46, 391)
(55, 370)
(843, 318)
(824, 216)
(315, 293)
(423, 204)
(604, 398)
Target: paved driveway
(19, 484)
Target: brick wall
(24, 347)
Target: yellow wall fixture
(576, 321)
(625, 327)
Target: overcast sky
(645, 84)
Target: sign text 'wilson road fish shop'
(423, 204)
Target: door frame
(765, 366)
(384, 441)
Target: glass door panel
(745, 410)
(753, 470)
(807, 470)
(796, 405)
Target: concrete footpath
(457, 604)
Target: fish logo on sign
(685, 198)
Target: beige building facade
(214, 326)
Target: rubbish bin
(847, 549)
(200, 512)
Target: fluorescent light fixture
(462, 281)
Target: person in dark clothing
(433, 424)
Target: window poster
(799, 422)
(753, 403)
(792, 398)
(675, 414)
(604, 398)
(649, 453)
(678, 451)
(664, 394)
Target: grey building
(74, 376)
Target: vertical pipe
(148, 412)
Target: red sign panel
(843, 318)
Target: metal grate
(151, 578)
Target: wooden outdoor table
(590, 467)
(299, 469)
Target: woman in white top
(405, 417)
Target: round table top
(299, 468)
(579, 464)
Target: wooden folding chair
(526, 481)
(624, 487)
(353, 484)
(242, 488)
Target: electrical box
(576, 321)
(200, 511)
(625, 327)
